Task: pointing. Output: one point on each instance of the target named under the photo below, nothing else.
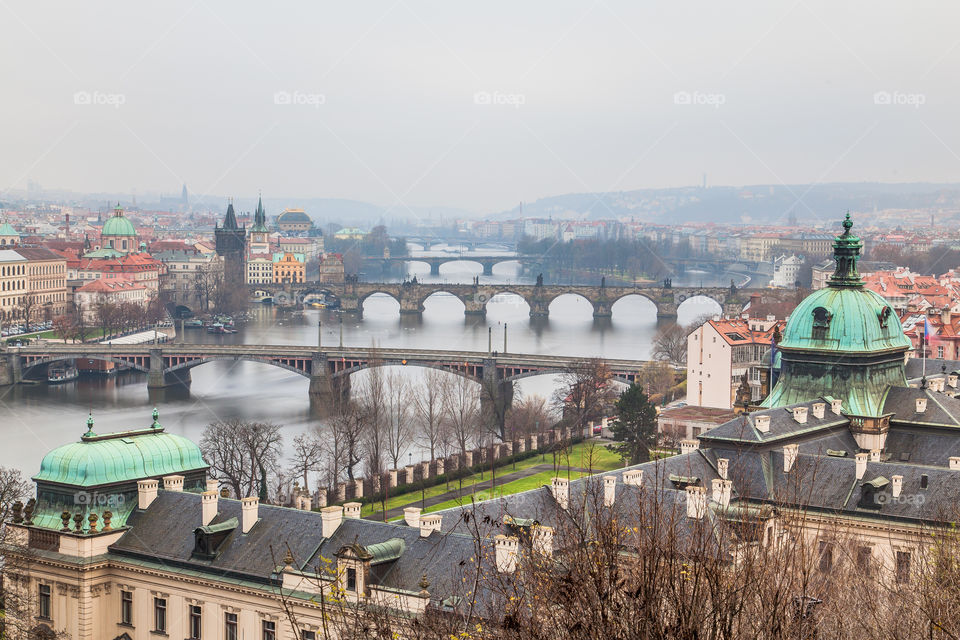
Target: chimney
(506, 553)
(762, 423)
(689, 446)
(173, 483)
(430, 523)
(924, 481)
(952, 380)
(897, 485)
(411, 515)
(800, 414)
(543, 540)
(696, 502)
(945, 316)
(609, 490)
(818, 410)
(723, 467)
(722, 490)
(954, 463)
(861, 459)
(250, 512)
(633, 477)
(351, 509)
(921, 405)
(213, 485)
(146, 492)
(874, 455)
(331, 518)
(208, 503)
(836, 406)
(561, 491)
(790, 452)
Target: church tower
(231, 242)
(259, 234)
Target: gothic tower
(231, 241)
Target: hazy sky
(477, 105)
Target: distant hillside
(749, 204)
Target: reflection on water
(41, 417)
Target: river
(41, 417)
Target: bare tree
(585, 393)
(670, 345)
(348, 427)
(529, 415)
(241, 453)
(372, 404)
(461, 402)
(430, 412)
(398, 428)
(307, 457)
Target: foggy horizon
(422, 104)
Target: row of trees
(107, 317)
(634, 257)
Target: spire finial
(89, 433)
(156, 419)
(847, 223)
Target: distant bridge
(328, 369)
(486, 262)
(476, 297)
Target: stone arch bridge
(475, 297)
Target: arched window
(821, 323)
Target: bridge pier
(475, 305)
(351, 304)
(539, 307)
(410, 305)
(11, 371)
(434, 267)
(487, 268)
(157, 378)
(326, 391)
(666, 311)
(496, 398)
(602, 309)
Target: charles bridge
(411, 295)
(328, 369)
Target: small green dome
(118, 225)
(844, 320)
(120, 457)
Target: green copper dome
(118, 225)
(843, 341)
(843, 319)
(120, 457)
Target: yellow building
(289, 268)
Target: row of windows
(14, 285)
(231, 625)
(13, 270)
(863, 558)
(45, 269)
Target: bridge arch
(470, 372)
(63, 358)
(441, 292)
(366, 296)
(575, 294)
(697, 304)
(274, 362)
(504, 290)
(456, 259)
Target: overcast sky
(477, 105)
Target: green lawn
(585, 455)
(517, 486)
